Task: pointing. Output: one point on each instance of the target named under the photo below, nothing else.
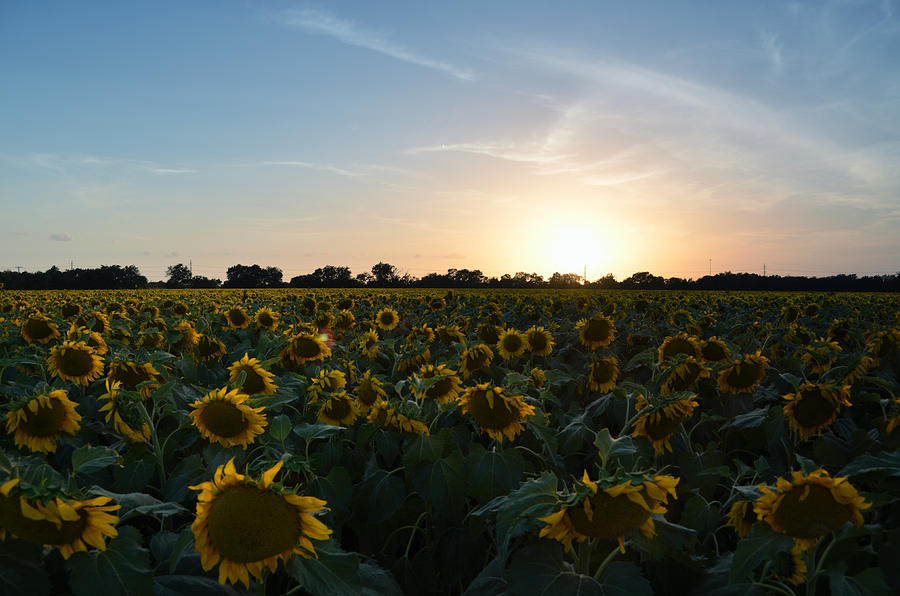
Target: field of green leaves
(477, 442)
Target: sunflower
(388, 418)
(540, 341)
(189, 336)
(39, 421)
(69, 525)
(328, 381)
(679, 344)
(791, 567)
(596, 332)
(511, 344)
(422, 332)
(471, 359)
(683, 377)
(94, 339)
(440, 383)
(125, 414)
(714, 350)
(338, 410)
(865, 364)
(414, 360)
(610, 511)
(265, 318)
(489, 333)
(809, 506)
(132, 374)
(258, 381)
(387, 319)
(305, 347)
(658, 422)
(450, 334)
(820, 355)
(368, 344)
(237, 318)
(70, 309)
(244, 524)
(814, 407)
(368, 391)
(99, 322)
(344, 320)
(496, 414)
(537, 377)
(222, 417)
(209, 349)
(882, 343)
(743, 375)
(75, 361)
(741, 517)
(40, 329)
(151, 340)
(179, 308)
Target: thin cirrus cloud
(61, 237)
(317, 21)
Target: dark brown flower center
(74, 362)
(814, 407)
(46, 422)
(223, 419)
(810, 515)
(612, 516)
(248, 524)
(496, 417)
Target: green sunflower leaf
(123, 568)
(87, 458)
(762, 544)
(22, 570)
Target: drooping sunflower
(95, 321)
(387, 319)
(245, 524)
(389, 418)
(305, 347)
(223, 417)
(741, 517)
(368, 344)
(328, 381)
(471, 359)
(714, 350)
(610, 509)
(814, 407)
(602, 374)
(209, 349)
(38, 422)
(68, 525)
(683, 377)
(414, 360)
(368, 391)
(679, 344)
(882, 343)
(422, 333)
(511, 344)
(338, 410)
(450, 334)
(743, 375)
(344, 320)
(820, 355)
(537, 377)
(237, 318)
(496, 414)
(40, 329)
(75, 361)
(489, 333)
(258, 381)
(810, 506)
(125, 414)
(441, 383)
(266, 318)
(659, 421)
(791, 567)
(540, 341)
(596, 332)
(189, 336)
(132, 374)
(91, 338)
(70, 309)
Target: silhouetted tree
(253, 276)
(385, 275)
(179, 276)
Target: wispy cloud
(773, 50)
(297, 164)
(62, 237)
(323, 23)
(63, 163)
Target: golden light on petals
(223, 417)
(38, 423)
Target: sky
(679, 138)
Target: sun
(572, 247)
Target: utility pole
(18, 269)
(585, 274)
(71, 265)
(710, 267)
(764, 269)
(191, 267)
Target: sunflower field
(473, 442)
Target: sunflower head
(741, 517)
(38, 422)
(387, 319)
(123, 409)
(39, 329)
(328, 381)
(237, 318)
(659, 420)
(75, 361)
(70, 309)
(387, 417)
(257, 380)
(223, 417)
(368, 391)
(338, 410)
(439, 383)
(537, 377)
(683, 376)
(682, 343)
(714, 350)
(265, 318)
(596, 332)
(449, 334)
(209, 349)
(540, 341)
(810, 506)
(243, 524)
(132, 374)
(368, 344)
(189, 336)
(474, 358)
(814, 407)
(68, 525)
(744, 374)
(611, 508)
(602, 374)
(414, 360)
(305, 347)
(511, 344)
(496, 414)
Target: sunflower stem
(612, 555)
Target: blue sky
(505, 136)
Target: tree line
(385, 275)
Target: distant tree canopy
(385, 275)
